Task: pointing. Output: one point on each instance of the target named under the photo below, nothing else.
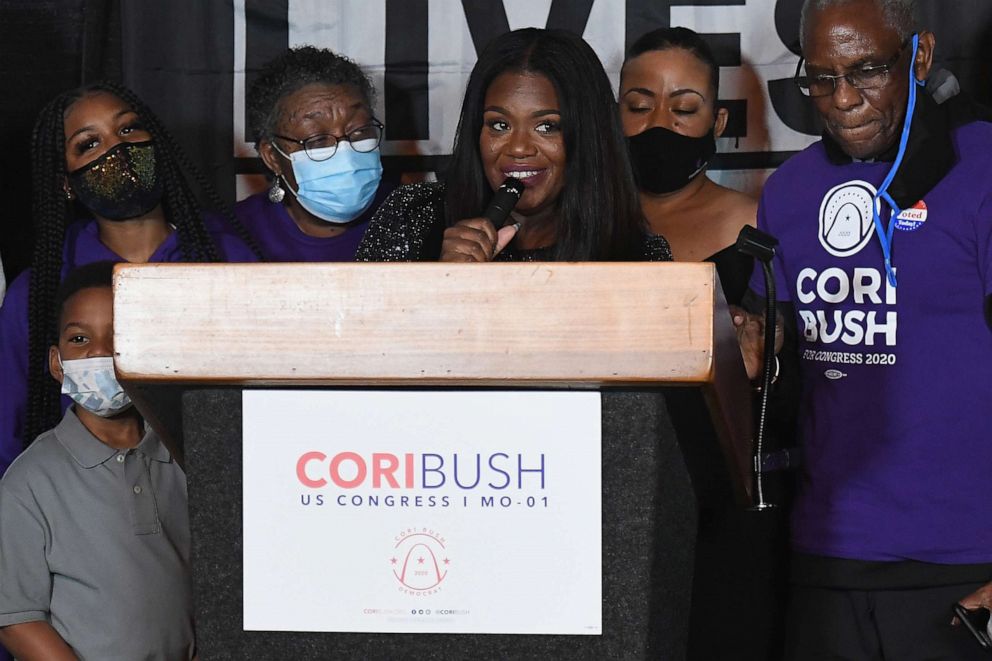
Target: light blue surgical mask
(339, 189)
(92, 383)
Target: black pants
(894, 625)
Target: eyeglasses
(322, 147)
(866, 78)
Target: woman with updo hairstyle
(668, 106)
(668, 94)
(538, 108)
(311, 114)
(109, 184)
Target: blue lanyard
(885, 232)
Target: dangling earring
(276, 193)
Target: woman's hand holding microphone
(477, 239)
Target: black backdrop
(177, 55)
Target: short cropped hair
(88, 276)
(296, 68)
(900, 15)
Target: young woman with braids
(100, 152)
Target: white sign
(422, 512)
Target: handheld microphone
(505, 198)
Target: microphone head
(513, 186)
(504, 199)
(756, 243)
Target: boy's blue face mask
(92, 383)
(339, 189)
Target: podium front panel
(422, 511)
(648, 534)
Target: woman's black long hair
(599, 215)
(53, 212)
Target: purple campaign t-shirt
(281, 240)
(897, 381)
(82, 246)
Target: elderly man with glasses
(885, 264)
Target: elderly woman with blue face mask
(311, 113)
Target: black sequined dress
(409, 227)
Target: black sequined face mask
(124, 183)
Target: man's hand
(980, 598)
(751, 336)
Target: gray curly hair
(900, 15)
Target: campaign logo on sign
(912, 219)
(846, 223)
(420, 561)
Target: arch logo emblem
(420, 561)
(846, 223)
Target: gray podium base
(649, 529)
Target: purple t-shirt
(281, 240)
(82, 246)
(897, 381)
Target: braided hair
(53, 212)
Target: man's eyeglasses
(322, 147)
(866, 78)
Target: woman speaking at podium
(539, 109)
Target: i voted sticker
(912, 219)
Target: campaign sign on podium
(422, 511)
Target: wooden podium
(190, 338)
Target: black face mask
(122, 184)
(665, 161)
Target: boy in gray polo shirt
(94, 534)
